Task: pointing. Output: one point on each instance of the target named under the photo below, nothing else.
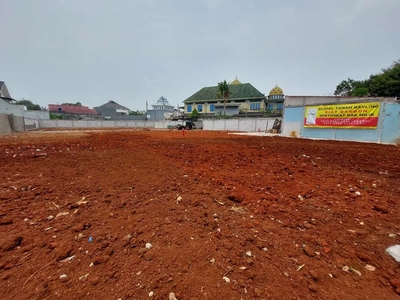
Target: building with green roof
(244, 99)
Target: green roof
(238, 91)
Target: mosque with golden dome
(275, 99)
(244, 100)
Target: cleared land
(227, 217)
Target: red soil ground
(228, 216)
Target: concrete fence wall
(36, 114)
(20, 111)
(247, 125)
(31, 124)
(11, 123)
(94, 124)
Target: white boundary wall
(94, 124)
(244, 124)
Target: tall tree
(29, 104)
(351, 87)
(223, 92)
(384, 84)
(387, 83)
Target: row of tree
(383, 84)
(29, 104)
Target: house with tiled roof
(244, 100)
(72, 112)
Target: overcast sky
(133, 51)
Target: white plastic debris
(226, 279)
(84, 276)
(63, 213)
(248, 253)
(82, 201)
(355, 271)
(63, 278)
(394, 251)
(68, 259)
(172, 296)
(148, 246)
(370, 268)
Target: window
(212, 107)
(270, 107)
(279, 106)
(189, 108)
(254, 106)
(200, 107)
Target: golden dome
(236, 81)
(276, 91)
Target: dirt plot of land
(208, 215)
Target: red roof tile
(72, 109)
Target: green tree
(352, 87)
(360, 92)
(387, 83)
(72, 104)
(57, 117)
(29, 105)
(344, 88)
(384, 84)
(194, 115)
(223, 92)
